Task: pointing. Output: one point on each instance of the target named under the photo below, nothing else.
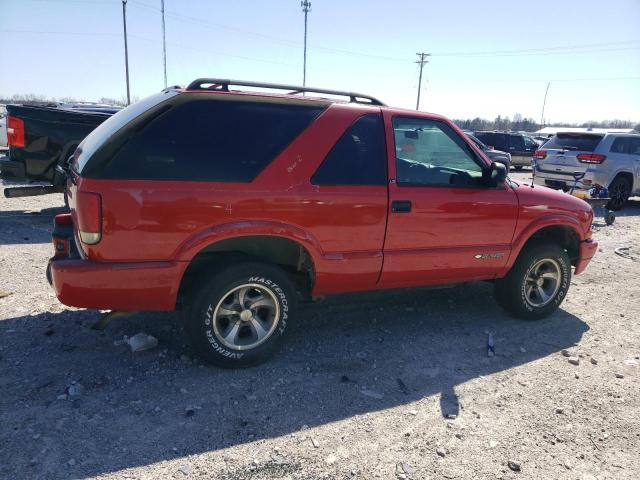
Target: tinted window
(516, 142)
(478, 143)
(105, 130)
(358, 158)
(211, 140)
(620, 145)
(486, 138)
(574, 141)
(530, 144)
(431, 153)
(634, 144)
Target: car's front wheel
(239, 315)
(537, 283)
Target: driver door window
(430, 153)
(530, 145)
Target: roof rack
(223, 85)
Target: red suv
(234, 205)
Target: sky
(487, 58)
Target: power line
(551, 50)
(555, 50)
(535, 51)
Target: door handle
(401, 206)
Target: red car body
(151, 230)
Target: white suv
(611, 160)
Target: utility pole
(164, 44)
(544, 102)
(422, 60)
(306, 8)
(126, 51)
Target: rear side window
(211, 140)
(634, 146)
(486, 138)
(574, 141)
(620, 145)
(516, 142)
(358, 158)
(107, 129)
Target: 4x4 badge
(484, 256)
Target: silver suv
(611, 160)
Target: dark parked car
(43, 138)
(521, 147)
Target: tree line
(518, 123)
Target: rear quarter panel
(341, 227)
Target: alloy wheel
(246, 316)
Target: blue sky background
(488, 58)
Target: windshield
(106, 129)
(585, 142)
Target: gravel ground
(378, 385)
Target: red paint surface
(151, 230)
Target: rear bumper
(520, 160)
(565, 180)
(587, 250)
(127, 286)
(116, 286)
(12, 170)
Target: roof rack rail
(223, 85)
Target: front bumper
(587, 250)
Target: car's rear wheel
(238, 316)
(619, 191)
(537, 283)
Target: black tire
(609, 218)
(204, 328)
(513, 294)
(518, 167)
(619, 190)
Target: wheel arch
(295, 258)
(566, 234)
(624, 174)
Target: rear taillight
(15, 132)
(541, 154)
(590, 157)
(89, 215)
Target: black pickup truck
(43, 138)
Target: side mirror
(498, 174)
